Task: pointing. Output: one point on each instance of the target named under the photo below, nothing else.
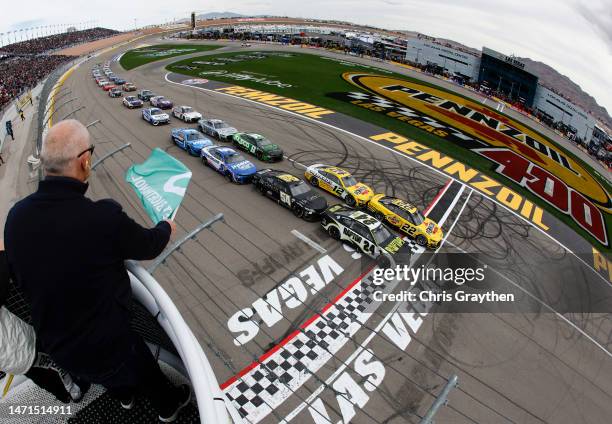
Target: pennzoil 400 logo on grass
(518, 152)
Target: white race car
(186, 114)
(216, 128)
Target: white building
(454, 61)
(562, 110)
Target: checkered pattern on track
(268, 385)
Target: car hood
(160, 116)
(193, 114)
(225, 131)
(312, 201)
(243, 168)
(203, 142)
(361, 191)
(271, 148)
(135, 101)
(394, 245)
(431, 229)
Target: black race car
(291, 192)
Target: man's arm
(135, 241)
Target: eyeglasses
(90, 149)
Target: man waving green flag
(160, 182)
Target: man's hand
(172, 227)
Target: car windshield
(131, 98)
(349, 181)
(417, 218)
(193, 136)
(187, 109)
(380, 234)
(156, 112)
(218, 125)
(147, 92)
(299, 189)
(235, 158)
(262, 141)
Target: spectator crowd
(24, 64)
(57, 41)
(21, 73)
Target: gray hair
(64, 141)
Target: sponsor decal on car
(519, 153)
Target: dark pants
(49, 380)
(139, 374)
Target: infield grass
(137, 57)
(310, 78)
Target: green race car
(259, 146)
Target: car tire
(216, 134)
(155, 123)
(350, 200)
(314, 182)
(261, 189)
(259, 156)
(421, 240)
(229, 177)
(379, 216)
(298, 211)
(204, 161)
(333, 232)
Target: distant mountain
(219, 15)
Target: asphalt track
(522, 367)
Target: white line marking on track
(450, 230)
(437, 171)
(308, 241)
(452, 205)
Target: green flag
(160, 182)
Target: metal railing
(213, 406)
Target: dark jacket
(66, 252)
(4, 278)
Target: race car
(190, 140)
(229, 163)
(259, 146)
(407, 219)
(128, 86)
(291, 192)
(109, 86)
(112, 77)
(216, 128)
(132, 102)
(340, 183)
(161, 102)
(186, 114)
(146, 95)
(101, 82)
(119, 81)
(114, 92)
(155, 116)
(363, 231)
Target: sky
(572, 36)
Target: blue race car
(189, 140)
(229, 163)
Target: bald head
(63, 143)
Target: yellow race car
(340, 183)
(406, 218)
